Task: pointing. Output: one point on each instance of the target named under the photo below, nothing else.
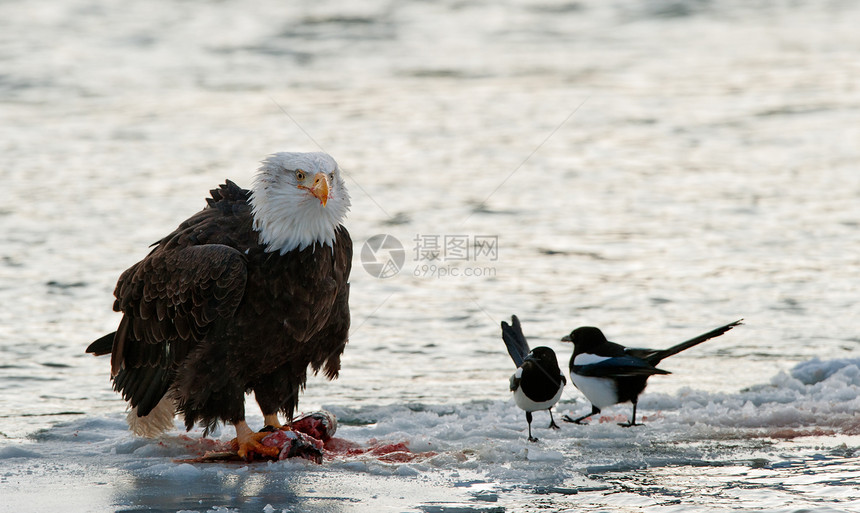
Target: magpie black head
(543, 354)
(585, 337)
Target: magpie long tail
(515, 341)
(656, 356)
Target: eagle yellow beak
(320, 188)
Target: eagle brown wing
(170, 300)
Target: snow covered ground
(655, 169)
(785, 444)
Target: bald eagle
(242, 297)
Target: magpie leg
(594, 411)
(632, 422)
(552, 424)
(529, 420)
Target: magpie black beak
(566, 338)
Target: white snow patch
(17, 452)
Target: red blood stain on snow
(333, 449)
(620, 418)
(790, 434)
(386, 452)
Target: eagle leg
(271, 421)
(247, 442)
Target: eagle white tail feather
(159, 420)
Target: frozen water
(653, 168)
(794, 447)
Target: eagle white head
(298, 199)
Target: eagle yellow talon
(247, 443)
(250, 444)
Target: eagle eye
(300, 175)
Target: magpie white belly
(528, 405)
(602, 392)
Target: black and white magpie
(538, 382)
(608, 373)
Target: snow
(462, 451)
(17, 452)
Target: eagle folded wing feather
(170, 299)
(336, 325)
(337, 328)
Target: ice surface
(456, 454)
(652, 168)
(17, 452)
